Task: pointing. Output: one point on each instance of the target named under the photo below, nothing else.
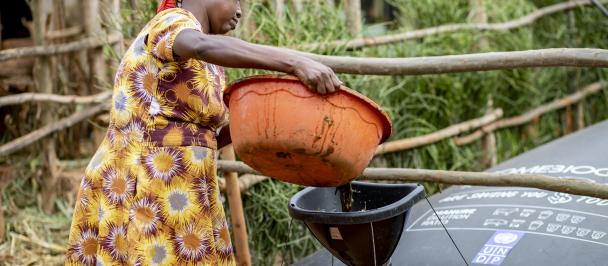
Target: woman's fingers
(329, 84)
(336, 82)
(321, 86)
(318, 77)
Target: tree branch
(554, 57)
(40, 133)
(450, 28)
(576, 186)
(64, 33)
(245, 182)
(45, 97)
(536, 112)
(558, 184)
(436, 136)
(41, 243)
(47, 50)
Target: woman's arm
(232, 52)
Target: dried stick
(47, 50)
(450, 28)
(45, 97)
(245, 182)
(6, 177)
(92, 27)
(64, 33)
(39, 242)
(554, 57)
(354, 20)
(534, 113)
(40, 133)
(442, 134)
(477, 14)
(237, 214)
(576, 186)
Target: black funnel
(369, 233)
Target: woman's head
(222, 15)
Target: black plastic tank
(369, 233)
(515, 225)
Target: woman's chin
(231, 27)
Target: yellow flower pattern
(150, 194)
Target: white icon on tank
(582, 232)
(505, 238)
(559, 198)
(515, 223)
(495, 222)
(597, 235)
(545, 214)
(527, 212)
(553, 227)
(535, 225)
(505, 211)
(566, 230)
(562, 217)
(576, 219)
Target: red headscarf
(166, 4)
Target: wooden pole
(534, 113)
(2, 224)
(478, 15)
(113, 22)
(92, 27)
(245, 182)
(568, 115)
(38, 134)
(453, 130)
(580, 115)
(1, 37)
(43, 97)
(237, 214)
(580, 107)
(279, 11)
(6, 177)
(489, 155)
(568, 120)
(352, 10)
(48, 50)
(553, 57)
(577, 186)
(44, 84)
(64, 33)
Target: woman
(150, 193)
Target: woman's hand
(316, 76)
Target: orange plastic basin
(285, 131)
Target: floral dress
(150, 194)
